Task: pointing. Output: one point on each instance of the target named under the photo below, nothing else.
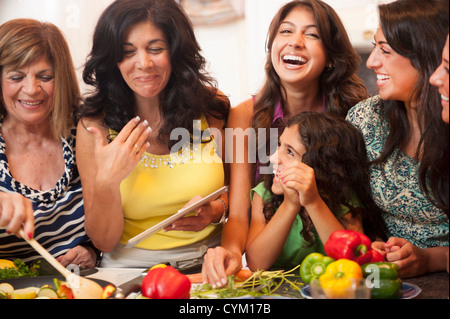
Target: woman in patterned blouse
(406, 139)
(40, 190)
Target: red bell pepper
(348, 244)
(376, 257)
(166, 283)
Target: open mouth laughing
(294, 60)
(382, 78)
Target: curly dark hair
(336, 151)
(190, 93)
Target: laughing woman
(150, 83)
(311, 66)
(406, 139)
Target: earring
(330, 65)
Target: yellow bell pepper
(339, 277)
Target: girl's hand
(118, 159)
(298, 178)
(16, 212)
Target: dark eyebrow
(294, 25)
(149, 43)
(380, 42)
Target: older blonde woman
(40, 190)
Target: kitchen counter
(433, 286)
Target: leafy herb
(261, 283)
(23, 270)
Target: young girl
(320, 184)
(311, 66)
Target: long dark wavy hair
(341, 86)
(336, 151)
(190, 93)
(406, 24)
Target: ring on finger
(137, 148)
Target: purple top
(279, 114)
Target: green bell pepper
(385, 280)
(313, 266)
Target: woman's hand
(218, 264)
(119, 158)
(204, 217)
(79, 255)
(16, 212)
(412, 260)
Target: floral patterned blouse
(395, 185)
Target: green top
(296, 247)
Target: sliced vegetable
(385, 279)
(65, 292)
(6, 288)
(166, 283)
(108, 291)
(47, 292)
(348, 244)
(57, 283)
(25, 293)
(338, 278)
(17, 269)
(314, 266)
(5, 263)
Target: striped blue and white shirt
(58, 213)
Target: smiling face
(297, 52)
(440, 80)
(290, 149)
(28, 92)
(395, 73)
(146, 66)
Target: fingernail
(137, 119)
(89, 129)
(218, 284)
(145, 123)
(149, 129)
(30, 235)
(224, 281)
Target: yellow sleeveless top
(161, 185)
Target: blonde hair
(22, 41)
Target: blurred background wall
(233, 44)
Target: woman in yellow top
(145, 146)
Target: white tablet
(169, 221)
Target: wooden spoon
(82, 288)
